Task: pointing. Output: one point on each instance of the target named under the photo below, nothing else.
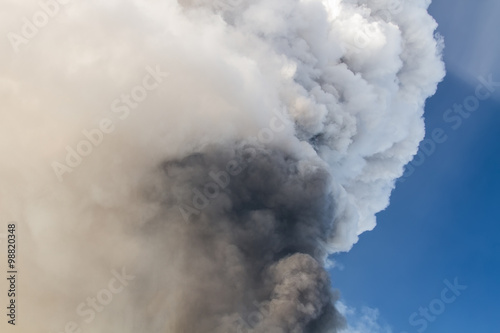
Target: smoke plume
(187, 166)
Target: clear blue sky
(444, 219)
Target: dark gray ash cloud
(262, 236)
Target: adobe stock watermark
(88, 310)
(121, 106)
(203, 196)
(3, 235)
(454, 117)
(421, 320)
(31, 26)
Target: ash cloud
(223, 229)
(263, 236)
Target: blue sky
(443, 221)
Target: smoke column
(213, 153)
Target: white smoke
(365, 320)
(330, 92)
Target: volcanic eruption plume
(187, 166)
